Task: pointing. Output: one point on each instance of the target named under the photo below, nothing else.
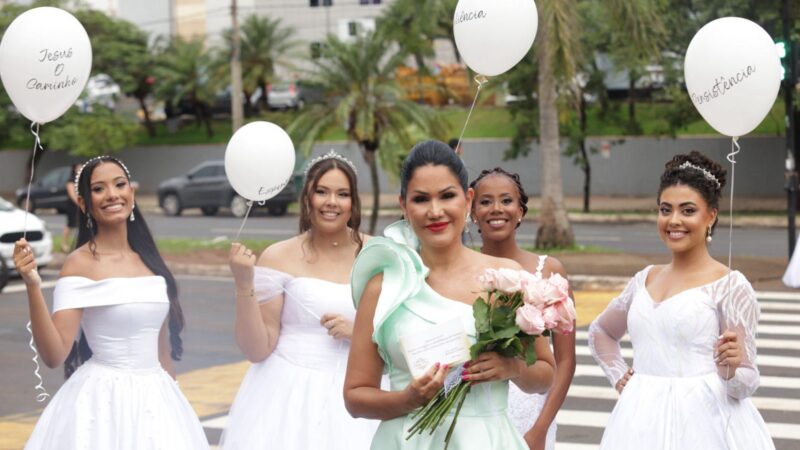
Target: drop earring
(708, 235)
(132, 217)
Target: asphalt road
(638, 238)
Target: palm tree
(265, 44)
(559, 51)
(183, 73)
(362, 95)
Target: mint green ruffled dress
(406, 304)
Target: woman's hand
(26, 264)
(337, 325)
(536, 437)
(242, 261)
(421, 390)
(624, 380)
(728, 354)
(490, 366)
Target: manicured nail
(466, 364)
(436, 365)
(465, 377)
(465, 373)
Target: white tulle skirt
(524, 409)
(282, 405)
(101, 407)
(687, 413)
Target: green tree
(362, 95)
(184, 74)
(115, 41)
(265, 45)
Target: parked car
(292, 94)
(12, 226)
(49, 192)
(206, 187)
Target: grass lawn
(486, 122)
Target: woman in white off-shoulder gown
(294, 316)
(692, 324)
(120, 393)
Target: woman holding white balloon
(294, 319)
(118, 297)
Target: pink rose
(508, 280)
(560, 284)
(560, 316)
(534, 293)
(529, 319)
(488, 279)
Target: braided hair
(523, 197)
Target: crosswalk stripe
(769, 306)
(789, 330)
(776, 344)
(767, 295)
(609, 393)
(591, 370)
(778, 317)
(791, 362)
(595, 419)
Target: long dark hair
(315, 172)
(141, 241)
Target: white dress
(121, 398)
(675, 399)
(524, 408)
(293, 399)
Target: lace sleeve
(607, 330)
(740, 312)
(269, 283)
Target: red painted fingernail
(466, 364)
(465, 377)
(436, 365)
(465, 373)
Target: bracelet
(248, 293)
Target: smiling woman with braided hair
(498, 207)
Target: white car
(12, 224)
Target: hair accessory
(708, 175)
(330, 155)
(96, 158)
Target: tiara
(708, 175)
(97, 158)
(330, 155)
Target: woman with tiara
(498, 207)
(294, 321)
(418, 277)
(692, 324)
(115, 289)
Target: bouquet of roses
(519, 306)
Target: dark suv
(206, 187)
(49, 192)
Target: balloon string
(735, 149)
(249, 207)
(481, 80)
(37, 143)
(43, 395)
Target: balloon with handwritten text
(259, 160)
(45, 61)
(493, 36)
(733, 74)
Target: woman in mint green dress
(418, 276)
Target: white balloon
(492, 36)
(45, 60)
(733, 74)
(259, 160)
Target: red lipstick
(437, 226)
